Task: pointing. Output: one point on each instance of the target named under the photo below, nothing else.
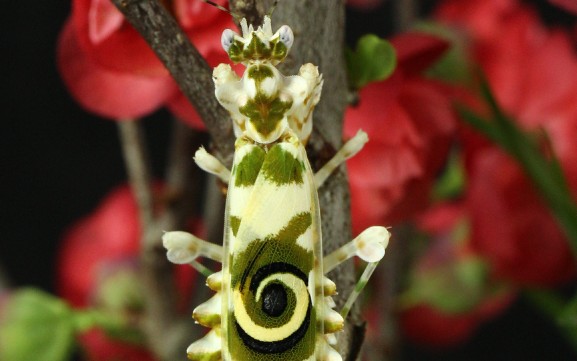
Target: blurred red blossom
(532, 71)
(99, 347)
(511, 225)
(108, 236)
(569, 5)
(427, 325)
(450, 293)
(530, 68)
(110, 70)
(409, 120)
(98, 267)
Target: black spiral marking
(276, 267)
(290, 341)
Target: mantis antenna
(272, 8)
(235, 16)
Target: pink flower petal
(121, 50)
(409, 121)
(512, 227)
(110, 234)
(98, 346)
(484, 19)
(417, 51)
(103, 20)
(569, 5)
(194, 14)
(108, 93)
(426, 325)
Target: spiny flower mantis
(273, 300)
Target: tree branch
(406, 12)
(185, 64)
(137, 167)
(252, 10)
(167, 334)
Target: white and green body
(272, 299)
(271, 288)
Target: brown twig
(252, 10)
(184, 62)
(137, 167)
(167, 334)
(406, 14)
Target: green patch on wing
(249, 167)
(297, 226)
(235, 51)
(260, 73)
(279, 247)
(234, 224)
(264, 112)
(281, 167)
(279, 50)
(257, 49)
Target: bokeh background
(57, 161)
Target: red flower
(532, 71)
(110, 235)
(568, 5)
(409, 122)
(449, 295)
(111, 71)
(98, 266)
(99, 347)
(511, 226)
(484, 20)
(427, 325)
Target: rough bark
(186, 65)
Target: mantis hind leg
(370, 246)
(349, 150)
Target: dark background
(57, 162)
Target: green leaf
(36, 326)
(374, 59)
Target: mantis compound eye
(227, 39)
(286, 36)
